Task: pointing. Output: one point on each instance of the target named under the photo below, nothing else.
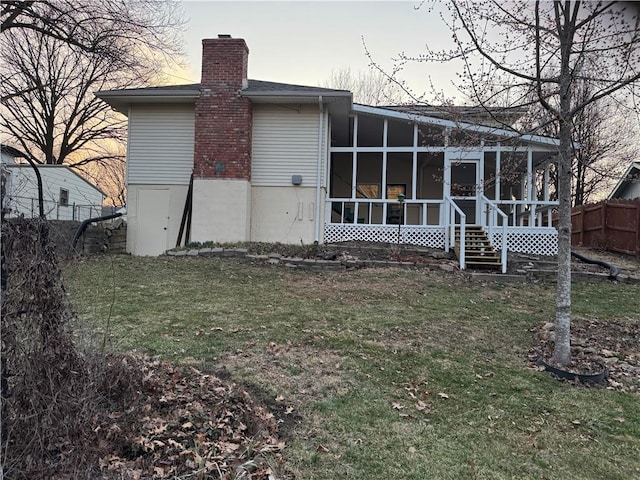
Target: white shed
(66, 194)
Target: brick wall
(223, 117)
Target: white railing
(377, 211)
(490, 213)
(451, 210)
(524, 213)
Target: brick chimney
(223, 117)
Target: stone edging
(348, 262)
(305, 263)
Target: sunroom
(412, 179)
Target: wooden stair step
(479, 253)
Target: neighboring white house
(66, 195)
(274, 162)
(629, 185)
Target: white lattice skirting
(432, 237)
(535, 241)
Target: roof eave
(623, 180)
(337, 102)
(120, 100)
(500, 132)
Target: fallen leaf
(322, 448)
(279, 398)
(443, 395)
(421, 406)
(397, 406)
(619, 419)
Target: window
(64, 197)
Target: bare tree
(101, 27)
(370, 88)
(56, 113)
(607, 133)
(547, 51)
(109, 175)
(49, 109)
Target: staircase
(479, 254)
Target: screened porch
(394, 179)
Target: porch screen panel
(341, 131)
(490, 175)
(513, 170)
(399, 134)
(431, 136)
(368, 174)
(341, 175)
(400, 171)
(370, 131)
(430, 171)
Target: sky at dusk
(301, 42)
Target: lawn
(384, 373)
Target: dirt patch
(596, 344)
(307, 374)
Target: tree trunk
(562, 344)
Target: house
(629, 185)
(66, 195)
(274, 162)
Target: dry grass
(384, 373)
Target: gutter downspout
(319, 171)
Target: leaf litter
(179, 422)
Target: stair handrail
(492, 221)
(450, 229)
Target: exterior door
(464, 184)
(153, 222)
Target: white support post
(414, 168)
(532, 207)
(354, 157)
(498, 174)
(385, 129)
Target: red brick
(223, 117)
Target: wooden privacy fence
(611, 225)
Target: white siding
(160, 148)
(285, 143)
(84, 200)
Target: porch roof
(413, 117)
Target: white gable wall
(285, 143)
(84, 200)
(159, 164)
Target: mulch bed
(597, 344)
